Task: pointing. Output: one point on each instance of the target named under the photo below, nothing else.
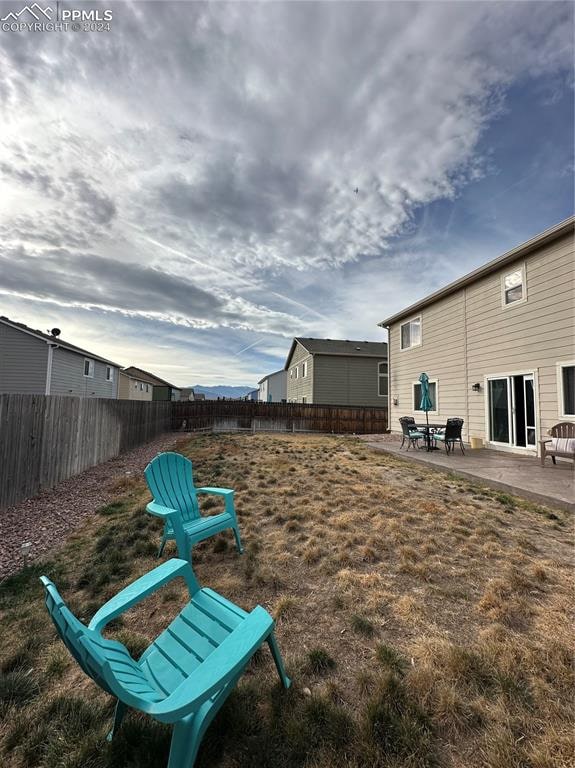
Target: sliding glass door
(499, 411)
(511, 402)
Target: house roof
(149, 378)
(345, 348)
(55, 340)
(269, 375)
(548, 236)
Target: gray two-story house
(36, 363)
(337, 372)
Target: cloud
(91, 281)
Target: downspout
(388, 379)
(466, 363)
(51, 348)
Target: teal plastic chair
(187, 673)
(171, 483)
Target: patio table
(426, 429)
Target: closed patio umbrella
(425, 403)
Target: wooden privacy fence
(235, 415)
(45, 439)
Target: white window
(141, 387)
(147, 387)
(295, 372)
(567, 389)
(135, 385)
(433, 393)
(303, 370)
(513, 287)
(411, 333)
(304, 399)
(291, 373)
(88, 368)
(109, 373)
(382, 379)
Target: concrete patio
(552, 485)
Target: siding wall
(166, 393)
(301, 387)
(532, 336)
(23, 361)
(341, 380)
(469, 335)
(274, 386)
(127, 390)
(441, 355)
(68, 377)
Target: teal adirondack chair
(187, 673)
(171, 483)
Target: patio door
(512, 411)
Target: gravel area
(46, 520)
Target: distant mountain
(220, 390)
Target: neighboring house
(273, 388)
(497, 344)
(253, 395)
(334, 372)
(36, 363)
(161, 390)
(134, 387)
(190, 394)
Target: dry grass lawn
(424, 620)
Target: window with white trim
(295, 374)
(141, 387)
(304, 399)
(382, 379)
(109, 373)
(303, 370)
(147, 387)
(135, 385)
(567, 386)
(514, 286)
(410, 333)
(433, 392)
(88, 368)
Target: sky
(188, 190)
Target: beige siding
(130, 389)
(470, 335)
(341, 380)
(441, 355)
(301, 387)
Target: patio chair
(175, 500)
(560, 443)
(409, 432)
(187, 672)
(451, 435)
